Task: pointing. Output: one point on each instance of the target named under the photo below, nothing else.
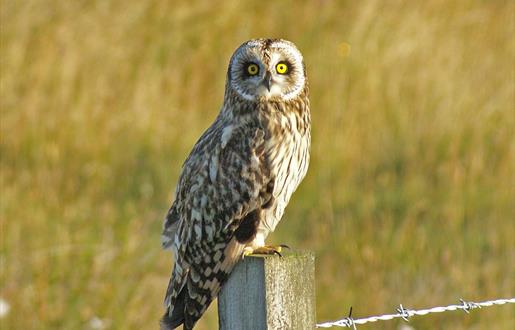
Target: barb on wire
(405, 314)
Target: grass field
(410, 196)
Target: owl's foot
(266, 250)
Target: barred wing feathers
(225, 183)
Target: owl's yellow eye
(252, 69)
(281, 68)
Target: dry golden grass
(409, 198)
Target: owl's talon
(247, 251)
(269, 250)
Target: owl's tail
(197, 289)
(170, 321)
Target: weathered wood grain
(270, 292)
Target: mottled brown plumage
(240, 175)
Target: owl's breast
(288, 154)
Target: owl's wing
(225, 182)
(170, 225)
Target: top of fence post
(270, 292)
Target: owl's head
(267, 69)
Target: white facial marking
(275, 90)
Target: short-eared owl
(239, 177)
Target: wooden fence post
(270, 292)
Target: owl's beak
(267, 81)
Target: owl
(239, 177)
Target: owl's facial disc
(264, 69)
(268, 87)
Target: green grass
(410, 197)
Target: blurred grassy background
(411, 190)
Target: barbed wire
(405, 313)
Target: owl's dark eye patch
(282, 67)
(250, 69)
